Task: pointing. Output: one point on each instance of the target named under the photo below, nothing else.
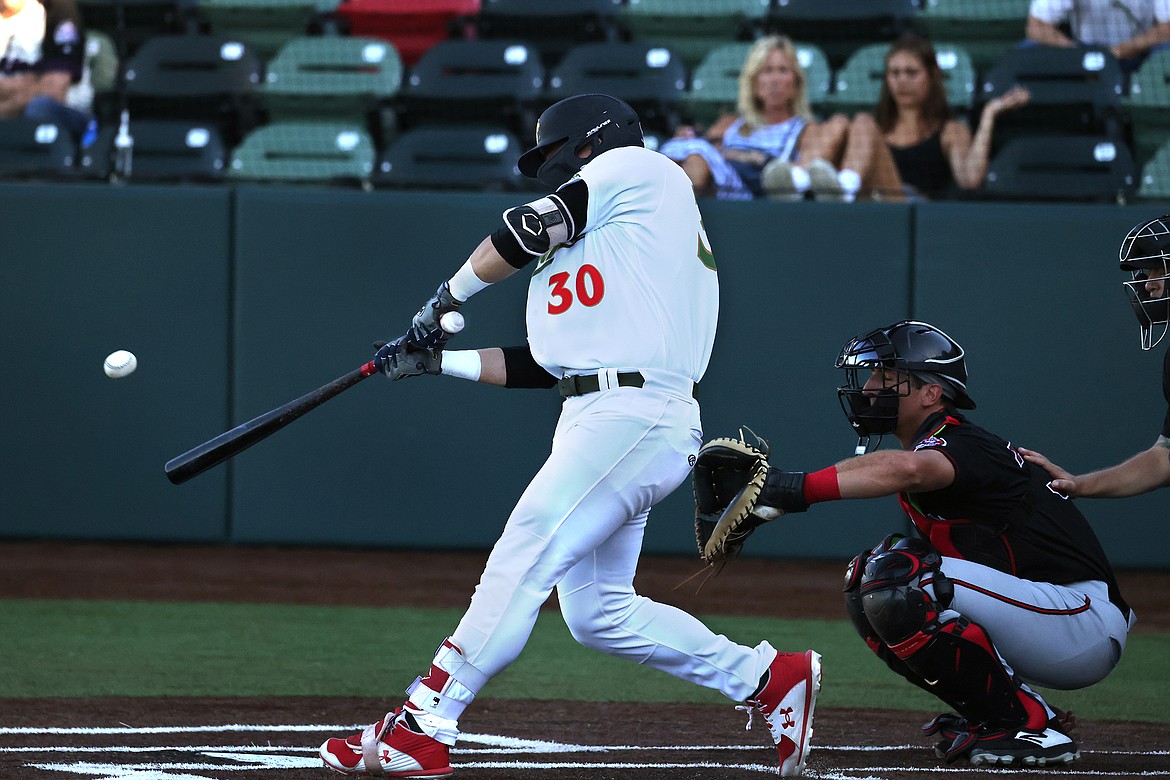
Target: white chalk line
(255, 757)
(554, 748)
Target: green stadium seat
(199, 77)
(1062, 167)
(1155, 177)
(1075, 90)
(841, 27)
(1148, 105)
(715, 83)
(164, 150)
(497, 82)
(859, 82)
(652, 79)
(130, 23)
(693, 28)
(985, 28)
(331, 78)
(448, 157)
(552, 26)
(31, 149)
(308, 152)
(266, 25)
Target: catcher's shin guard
(951, 657)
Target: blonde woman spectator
(773, 122)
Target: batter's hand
(397, 360)
(1062, 481)
(425, 330)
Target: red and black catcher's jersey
(1000, 512)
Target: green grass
(115, 648)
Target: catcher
(1005, 584)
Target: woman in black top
(911, 144)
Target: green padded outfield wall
(85, 270)
(237, 301)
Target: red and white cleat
(395, 746)
(786, 700)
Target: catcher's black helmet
(908, 346)
(1145, 255)
(600, 121)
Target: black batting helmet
(599, 121)
(1145, 255)
(909, 346)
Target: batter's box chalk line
(217, 762)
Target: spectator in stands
(773, 122)
(61, 63)
(912, 146)
(22, 28)
(1130, 28)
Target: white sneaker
(825, 184)
(784, 181)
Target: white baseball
(452, 322)
(120, 364)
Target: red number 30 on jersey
(588, 284)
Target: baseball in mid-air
(452, 322)
(119, 364)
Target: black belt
(589, 383)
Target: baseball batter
(621, 316)
(1005, 584)
(1145, 258)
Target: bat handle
(368, 369)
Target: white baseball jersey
(20, 39)
(638, 290)
(1103, 21)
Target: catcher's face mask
(1147, 293)
(1145, 256)
(873, 387)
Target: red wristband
(822, 486)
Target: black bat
(212, 453)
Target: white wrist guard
(462, 363)
(465, 283)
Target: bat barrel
(211, 453)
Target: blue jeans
(46, 109)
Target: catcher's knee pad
(903, 593)
(901, 589)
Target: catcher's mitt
(728, 477)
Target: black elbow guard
(522, 370)
(510, 249)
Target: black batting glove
(425, 331)
(398, 361)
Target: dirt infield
(275, 739)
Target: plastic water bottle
(123, 148)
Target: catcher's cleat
(947, 725)
(395, 746)
(786, 698)
(1023, 747)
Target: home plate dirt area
(277, 738)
